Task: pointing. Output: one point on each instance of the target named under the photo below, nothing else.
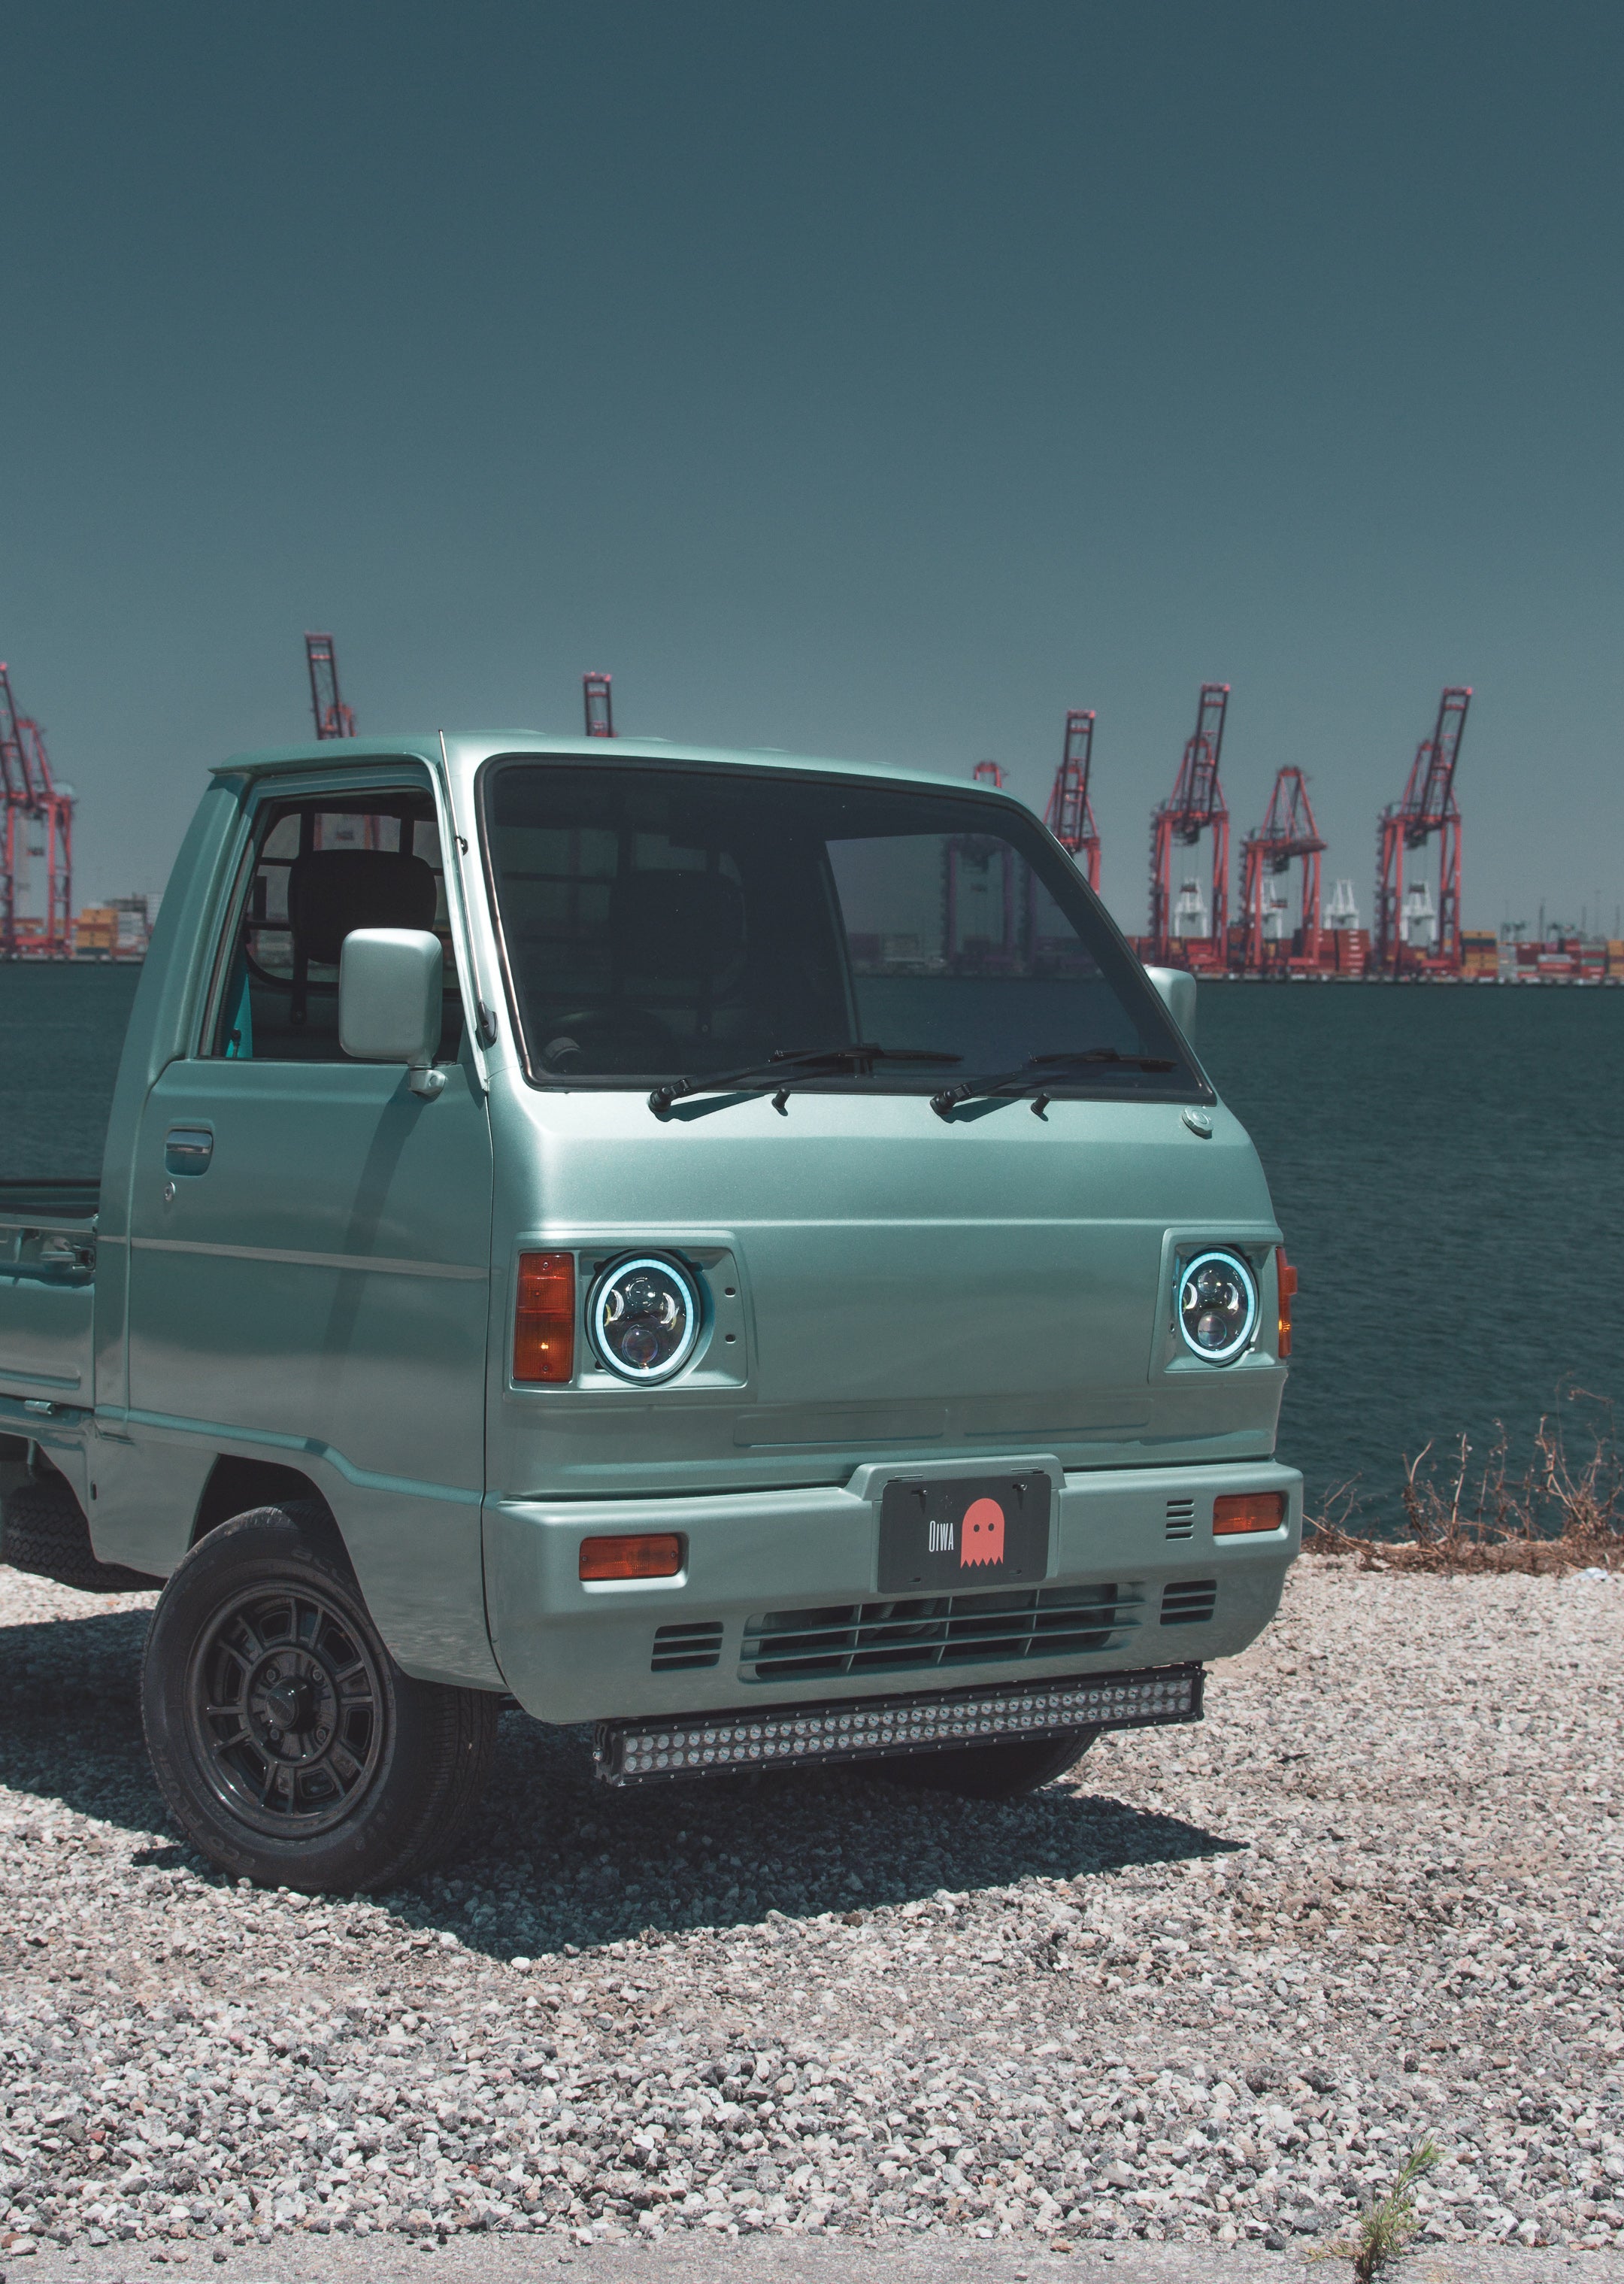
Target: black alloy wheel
(291, 1746)
(287, 1707)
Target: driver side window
(324, 865)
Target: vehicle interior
(662, 919)
(321, 868)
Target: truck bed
(76, 1200)
(47, 1295)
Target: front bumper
(778, 1605)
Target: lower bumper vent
(686, 1649)
(1181, 1518)
(1188, 1601)
(939, 1629)
(639, 1752)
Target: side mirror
(391, 987)
(1176, 987)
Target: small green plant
(1385, 2229)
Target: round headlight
(645, 1317)
(1217, 1306)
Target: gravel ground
(793, 2256)
(1210, 1988)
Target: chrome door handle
(187, 1150)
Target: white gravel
(1215, 1985)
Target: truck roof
(465, 750)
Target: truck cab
(729, 1248)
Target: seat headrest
(330, 891)
(686, 923)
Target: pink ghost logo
(981, 1539)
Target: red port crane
(1288, 835)
(1069, 813)
(598, 700)
(38, 821)
(988, 773)
(333, 717)
(1197, 806)
(1428, 811)
(14, 795)
(52, 938)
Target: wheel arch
(235, 1485)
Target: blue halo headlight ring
(645, 1317)
(1217, 1305)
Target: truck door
(310, 1261)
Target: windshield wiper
(1038, 1072)
(787, 1067)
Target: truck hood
(883, 1283)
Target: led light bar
(642, 1752)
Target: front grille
(938, 1630)
(687, 1648)
(1181, 1518)
(1188, 1601)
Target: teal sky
(874, 379)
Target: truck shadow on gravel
(554, 1858)
(70, 1717)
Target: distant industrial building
(119, 929)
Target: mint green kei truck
(731, 1249)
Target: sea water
(1444, 1163)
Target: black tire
(999, 1771)
(289, 1744)
(46, 1534)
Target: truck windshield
(660, 921)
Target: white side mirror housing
(1176, 987)
(391, 992)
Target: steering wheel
(595, 1040)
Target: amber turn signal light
(1247, 1510)
(544, 1321)
(650, 1554)
(1287, 1277)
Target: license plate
(966, 1531)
